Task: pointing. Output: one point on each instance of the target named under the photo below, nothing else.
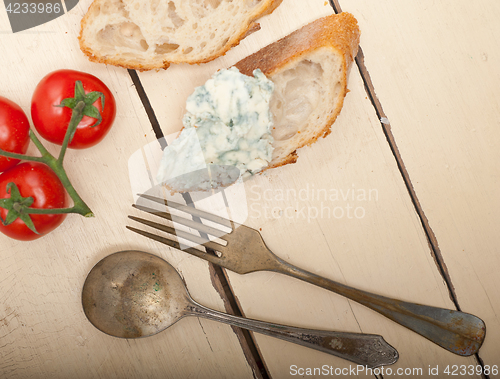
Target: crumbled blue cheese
(228, 122)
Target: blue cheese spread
(228, 122)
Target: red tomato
(38, 181)
(52, 121)
(14, 132)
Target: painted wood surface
(434, 66)
(43, 330)
(342, 211)
(386, 250)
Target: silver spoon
(133, 294)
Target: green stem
(76, 117)
(56, 164)
(23, 157)
(39, 146)
(51, 211)
(79, 206)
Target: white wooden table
(412, 212)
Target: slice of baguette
(309, 69)
(152, 34)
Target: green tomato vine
(18, 206)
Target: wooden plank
(434, 67)
(382, 248)
(43, 330)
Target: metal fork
(246, 251)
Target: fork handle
(363, 349)
(458, 332)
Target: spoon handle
(364, 349)
(456, 331)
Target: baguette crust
(339, 33)
(89, 46)
(309, 68)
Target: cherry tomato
(52, 120)
(36, 180)
(14, 132)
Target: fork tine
(197, 253)
(180, 233)
(181, 220)
(191, 210)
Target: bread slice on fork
(309, 69)
(152, 34)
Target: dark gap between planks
(429, 233)
(231, 301)
(431, 238)
(218, 274)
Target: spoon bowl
(132, 294)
